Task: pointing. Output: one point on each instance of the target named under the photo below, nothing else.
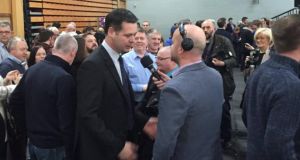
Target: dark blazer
(246, 37)
(103, 109)
(221, 48)
(230, 27)
(8, 65)
(224, 33)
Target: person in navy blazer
(190, 106)
(105, 98)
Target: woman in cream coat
(6, 88)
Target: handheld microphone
(148, 63)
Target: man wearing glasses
(165, 62)
(146, 110)
(5, 35)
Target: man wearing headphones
(219, 54)
(190, 103)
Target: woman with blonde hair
(264, 41)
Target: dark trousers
(47, 154)
(17, 148)
(226, 122)
(145, 147)
(3, 150)
(2, 139)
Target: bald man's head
(197, 35)
(193, 32)
(71, 27)
(164, 60)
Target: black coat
(246, 37)
(146, 108)
(224, 33)
(8, 65)
(103, 109)
(43, 104)
(221, 48)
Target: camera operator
(264, 41)
(219, 54)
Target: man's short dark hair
(185, 21)
(257, 23)
(88, 29)
(286, 33)
(244, 19)
(86, 34)
(56, 24)
(141, 30)
(199, 23)
(229, 19)
(116, 17)
(100, 36)
(221, 22)
(44, 35)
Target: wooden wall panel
(37, 19)
(82, 12)
(81, 3)
(73, 13)
(70, 19)
(35, 4)
(5, 7)
(78, 24)
(74, 8)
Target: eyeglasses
(161, 58)
(5, 32)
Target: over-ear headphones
(187, 43)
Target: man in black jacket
(219, 54)
(43, 103)
(105, 96)
(221, 30)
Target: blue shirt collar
(137, 55)
(170, 74)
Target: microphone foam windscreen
(146, 61)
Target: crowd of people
(122, 92)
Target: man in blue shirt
(271, 104)
(138, 75)
(5, 35)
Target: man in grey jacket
(190, 106)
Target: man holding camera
(219, 54)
